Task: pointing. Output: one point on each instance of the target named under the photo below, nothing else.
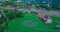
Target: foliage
(19, 14)
(12, 14)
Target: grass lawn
(15, 25)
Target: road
(50, 13)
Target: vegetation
(16, 26)
(11, 14)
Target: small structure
(46, 18)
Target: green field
(15, 25)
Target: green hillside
(37, 25)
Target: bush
(19, 14)
(10, 14)
(3, 19)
